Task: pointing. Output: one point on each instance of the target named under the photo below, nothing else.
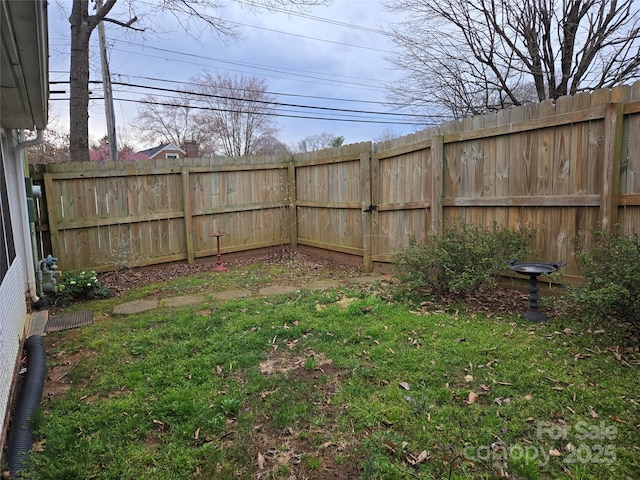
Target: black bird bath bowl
(532, 270)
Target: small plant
(612, 277)
(463, 258)
(229, 406)
(80, 286)
(314, 463)
(310, 364)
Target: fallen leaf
(39, 446)
(528, 397)
(219, 369)
(345, 302)
(592, 412)
(390, 445)
(555, 453)
(422, 457)
(404, 385)
(507, 384)
(529, 419)
(266, 393)
(197, 434)
(261, 461)
(473, 397)
(468, 378)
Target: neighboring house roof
(24, 68)
(169, 147)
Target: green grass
(300, 384)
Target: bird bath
(532, 270)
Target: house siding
(14, 286)
(13, 322)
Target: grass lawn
(350, 382)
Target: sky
(328, 57)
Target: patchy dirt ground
(274, 449)
(304, 268)
(300, 267)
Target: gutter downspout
(28, 232)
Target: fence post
(367, 211)
(188, 220)
(437, 183)
(613, 133)
(293, 208)
(51, 213)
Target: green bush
(80, 286)
(611, 270)
(463, 259)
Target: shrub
(463, 259)
(611, 270)
(80, 286)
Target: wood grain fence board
(611, 165)
(546, 139)
(579, 160)
(502, 171)
(524, 201)
(562, 149)
(538, 164)
(632, 157)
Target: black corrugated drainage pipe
(21, 435)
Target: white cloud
(292, 62)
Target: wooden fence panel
(629, 205)
(561, 166)
(403, 184)
(328, 198)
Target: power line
(265, 102)
(336, 99)
(266, 68)
(331, 21)
(272, 114)
(309, 38)
(226, 97)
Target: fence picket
(562, 166)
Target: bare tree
(468, 57)
(386, 135)
(319, 141)
(237, 111)
(171, 121)
(54, 148)
(271, 145)
(83, 24)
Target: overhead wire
(258, 101)
(273, 113)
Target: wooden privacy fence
(565, 167)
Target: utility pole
(108, 92)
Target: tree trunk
(79, 82)
(82, 24)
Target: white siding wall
(14, 285)
(13, 317)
